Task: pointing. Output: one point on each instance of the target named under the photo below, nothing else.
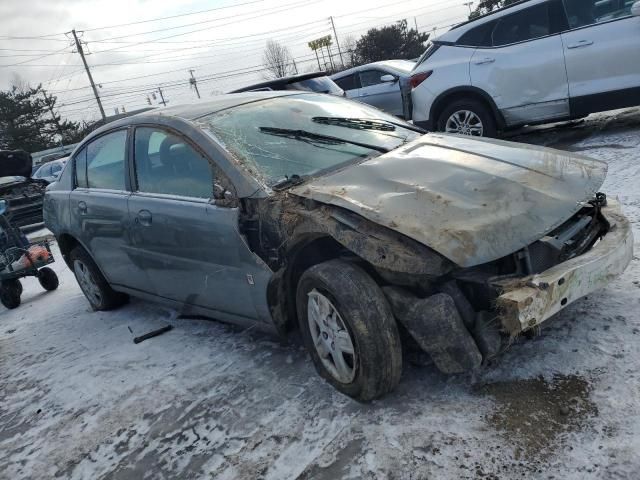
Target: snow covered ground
(79, 400)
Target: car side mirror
(635, 9)
(222, 197)
(388, 78)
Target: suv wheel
(349, 329)
(92, 283)
(467, 117)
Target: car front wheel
(349, 329)
(92, 283)
(467, 117)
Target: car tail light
(418, 78)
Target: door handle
(144, 218)
(82, 207)
(580, 44)
(484, 61)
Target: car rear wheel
(92, 283)
(467, 117)
(349, 329)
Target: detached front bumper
(536, 298)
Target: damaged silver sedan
(304, 211)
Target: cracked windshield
(279, 138)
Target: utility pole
(337, 42)
(194, 82)
(162, 96)
(86, 67)
(416, 22)
(295, 67)
(468, 4)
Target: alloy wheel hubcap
(331, 338)
(465, 122)
(87, 282)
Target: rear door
(350, 84)
(523, 66)
(384, 95)
(183, 244)
(98, 203)
(602, 50)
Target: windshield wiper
(366, 124)
(287, 182)
(307, 136)
(357, 123)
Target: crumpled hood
(471, 200)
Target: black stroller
(18, 259)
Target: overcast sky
(222, 40)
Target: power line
(172, 16)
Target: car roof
(198, 109)
(460, 29)
(403, 66)
(281, 83)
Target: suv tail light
(418, 78)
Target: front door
(384, 95)
(523, 68)
(187, 248)
(98, 203)
(602, 51)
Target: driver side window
(371, 77)
(166, 164)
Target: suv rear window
(527, 24)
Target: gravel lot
(79, 400)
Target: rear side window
(479, 36)
(81, 169)
(166, 164)
(527, 24)
(350, 82)
(106, 161)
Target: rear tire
(48, 279)
(92, 283)
(10, 292)
(479, 119)
(340, 310)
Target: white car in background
(381, 84)
(535, 61)
(50, 171)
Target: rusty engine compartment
(444, 310)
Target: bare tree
(349, 49)
(277, 60)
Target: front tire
(349, 329)
(92, 283)
(467, 117)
